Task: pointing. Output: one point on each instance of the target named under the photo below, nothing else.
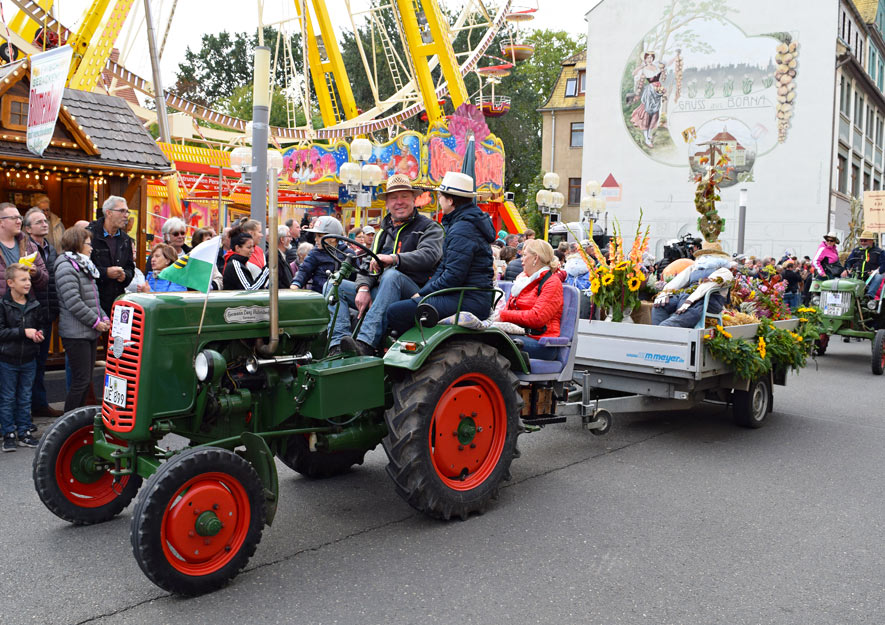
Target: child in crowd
(20, 336)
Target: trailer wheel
(317, 464)
(198, 521)
(452, 430)
(753, 405)
(878, 360)
(66, 475)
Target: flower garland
(771, 347)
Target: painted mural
(696, 83)
(314, 163)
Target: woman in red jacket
(536, 299)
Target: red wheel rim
(71, 476)
(185, 549)
(468, 431)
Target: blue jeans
(793, 300)
(392, 287)
(401, 315)
(38, 391)
(666, 315)
(535, 350)
(873, 286)
(16, 382)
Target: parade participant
(56, 227)
(112, 253)
(867, 258)
(21, 322)
(312, 272)
(466, 258)
(237, 275)
(36, 224)
(826, 254)
(709, 272)
(82, 318)
(536, 300)
(409, 246)
(162, 256)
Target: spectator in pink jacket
(826, 254)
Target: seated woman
(237, 276)
(162, 256)
(536, 299)
(466, 261)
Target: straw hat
(711, 248)
(832, 235)
(867, 234)
(456, 183)
(399, 182)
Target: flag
(194, 270)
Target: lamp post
(360, 177)
(742, 219)
(593, 204)
(549, 201)
(260, 121)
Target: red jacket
(534, 311)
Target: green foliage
(529, 210)
(239, 104)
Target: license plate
(831, 298)
(836, 304)
(115, 390)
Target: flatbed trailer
(623, 368)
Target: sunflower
(594, 285)
(723, 332)
(607, 279)
(621, 266)
(761, 348)
(634, 283)
(803, 320)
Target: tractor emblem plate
(246, 314)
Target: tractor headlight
(209, 365)
(815, 301)
(872, 305)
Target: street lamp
(593, 204)
(549, 201)
(742, 219)
(360, 178)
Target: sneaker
(9, 442)
(26, 440)
(33, 429)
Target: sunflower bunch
(740, 355)
(616, 280)
(811, 324)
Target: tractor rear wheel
(878, 359)
(198, 521)
(318, 464)
(452, 430)
(70, 480)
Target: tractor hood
(844, 285)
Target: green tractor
(849, 312)
(243, 378)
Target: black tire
(63, 481)
(163, 532)
(878, 356)
(753, 405)
(430, 477)
(820, 345)
(317, 464)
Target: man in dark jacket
(867, 258)
(112, 251)
(36, 224)
(409, 246)
(15, 246)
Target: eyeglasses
(177, 234)
(13, 217)
(124, 211)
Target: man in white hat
(409, 246)
(866, 259)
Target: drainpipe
(552, 141)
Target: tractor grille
(128, 367)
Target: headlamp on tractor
(815, 301)
(872, 305)
(209, 366)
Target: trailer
(624, 368)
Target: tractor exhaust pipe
(269, 349)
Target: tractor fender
(259, 455)
(399, 358)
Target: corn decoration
(786, 64)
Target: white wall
(789, 191)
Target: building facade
(562, 136)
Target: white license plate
(115, 390)
(832, 298)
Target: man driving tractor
(866, 259)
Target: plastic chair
(702, 322)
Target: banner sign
(49, 72)
(874, 211)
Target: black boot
(349, 344)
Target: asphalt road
(670, 518)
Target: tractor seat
(561, 368)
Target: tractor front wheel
(878, 359)
(199, 520)
(71, 481)
(452, 430)
(318, 464)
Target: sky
(193, 18)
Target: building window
(858, 110)
(855, 180)
(574, 191)
(845, 104)
(15, 113)
(842, 174)
(577, 135)
(582, 82)
(871, 115)
(878, 131)
(571, 87)
(867, 180)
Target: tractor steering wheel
(339, 256)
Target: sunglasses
(177, 234)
